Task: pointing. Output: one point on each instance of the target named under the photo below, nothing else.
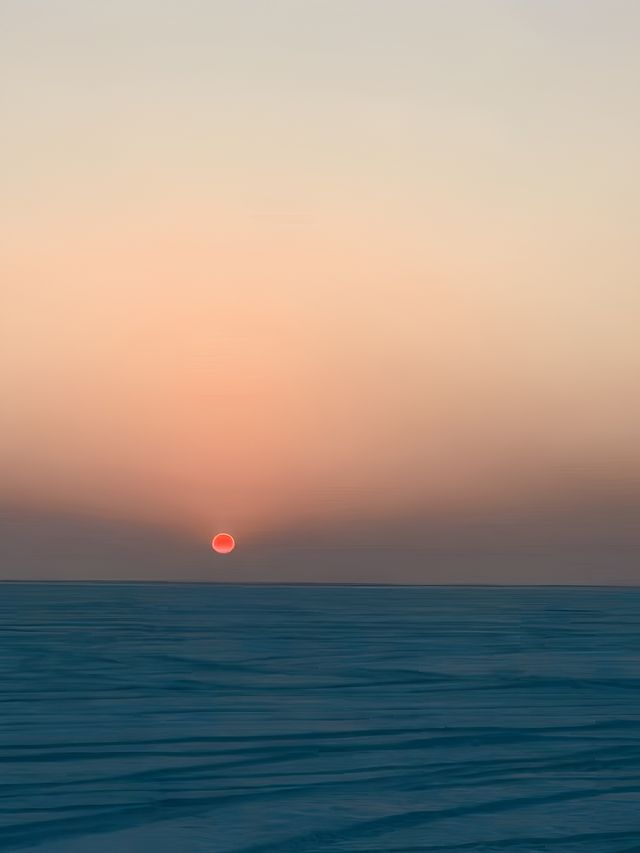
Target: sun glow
(223, 543)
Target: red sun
(223, 543)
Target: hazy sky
(289, 265)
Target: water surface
(159, 718)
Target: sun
(223, 543)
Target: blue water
(189, 718)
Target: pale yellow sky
(272, 262)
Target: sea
(211, 718)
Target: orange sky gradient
(321, 263)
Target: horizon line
(139, 582)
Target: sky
(356, 280)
